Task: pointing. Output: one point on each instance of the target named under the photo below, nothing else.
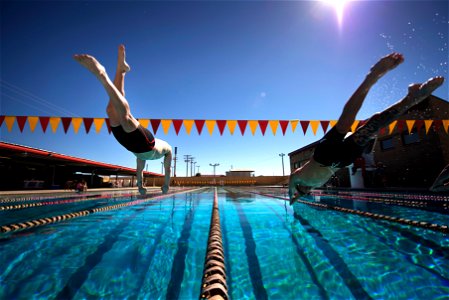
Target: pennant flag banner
(254, 125)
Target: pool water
(155, 247)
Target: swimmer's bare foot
(419, 92)
(90, 63)
(122, 65)
(385, 64)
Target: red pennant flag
(242, 125)
(66, 123)
(419, 124)
(21, 120)
(199, 126)
(177, 124)
(400, 125)
(221, 125)
(324, 125)
(2, 118)
(44, 123)
(108, 125)
(382, 131)
(155, 124)
(263, 126)
(437, 125)
(304, 125)
(88, 123)
(284, 125)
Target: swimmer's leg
(354, 103)
(120, 104)
(416, 94)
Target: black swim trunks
(138, 141)
(335, 151)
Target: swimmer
(441, 183)
(125, 128)
(335, 150)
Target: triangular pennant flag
(418, 125)
(410, 124)
(263, 126)
(314, 124)
(221, 125)
(98, 122)
(400, 125)
(437, 125)
(284, 125)
(144, 122)
(9, 120)
(354, 125)
(88, 124)
(304, 125)
(210, 124)
(54, 123)
(324, 125)
(273, 125)
(332, 123)
(32, 121)
(382, 131)
(188, 125)
(21, 120)
(108, 125)
(177, 125)
(231, 125)
(66, 123)
(253, 126)
(2, 118)
(155, 124)
(199, 126)
(76, 123)
(445, 125)
(44, 123)
(293, 124)
(391, 126)
(242, 125)
(427, 124)
(166, 125)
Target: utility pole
(191, 166)
(194, 167)
(282, 156)
(214, 166)
(187, 160)
(198, 169)
(174, 161)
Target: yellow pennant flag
(210, 124)
(9, 120)
(428, 123)
(354, 125)
(231, 125)
(253, 125)
(392, 126)
(445, 125)
(410, 124)
(314, 124)
(54, 123)
(274, 126)
(32, 121)
(188, 124)
(332, 123)
(294, 123)
(98, 123)
(144, 122)
(76, 123)
(166, 125)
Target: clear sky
(251, 60)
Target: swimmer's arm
(441, 184)
(140, 167)
(167, 166)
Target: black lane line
(250, 250)
(228, 264)
(303, 256)
(179, 262)
(79, 277)
(335, 259)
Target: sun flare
(339, 6)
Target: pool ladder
(214, 285)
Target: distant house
(409, 159)
(240, 173)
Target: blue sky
(252, 60)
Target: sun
(339, 6)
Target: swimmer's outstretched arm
(441, 184)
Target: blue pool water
(154, 248)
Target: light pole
(187, 160)
(282, 156)
(198, 169)
(214, 166)
(191, 166)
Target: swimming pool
(127, 246)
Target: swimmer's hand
(142, 190)
(164, 189)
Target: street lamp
(214, 166)
(282, 156)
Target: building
(403, 159)
(240, 173)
